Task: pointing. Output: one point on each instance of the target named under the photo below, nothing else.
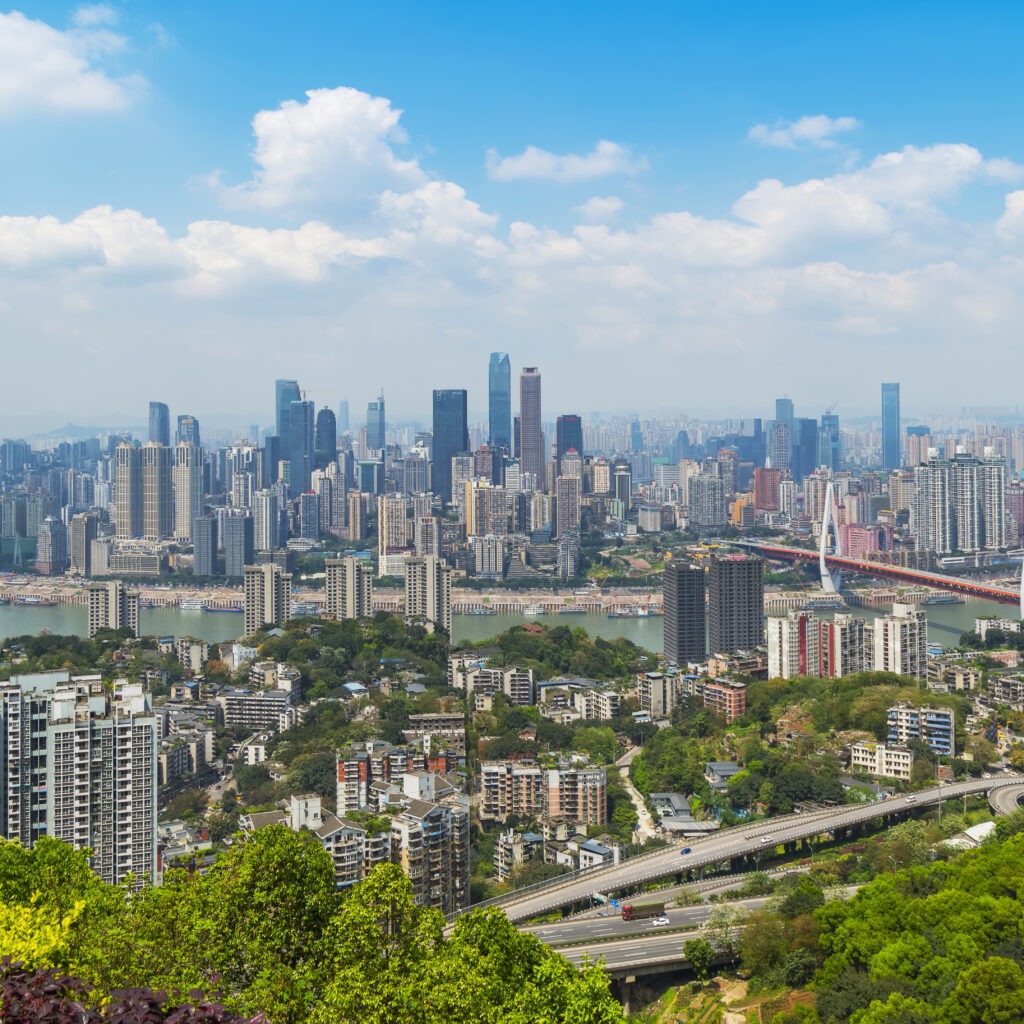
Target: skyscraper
(890, 426)
(268, 592)
(157, 492)
(831, 455)
(83, 533)
(159, 423)
(300, 446)
(451, 437)
(238, 544)
(325, 440)
(52, 547)
(531, 437)
(685, 622)
(343, 418)
(285, 392)
(204, 545)
(736, 603)
(376, 425)
(568, 437)
(188, 489)
(128, 491)
(188, 431)
(499, 401)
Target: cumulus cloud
(43, 68)
(606, 159)
(817, 130)
(334, 150)
(599, 209)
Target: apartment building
(933, 726)
(881, 760)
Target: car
(657, 921)
(911, 799)
(689, 849)
(765, 840)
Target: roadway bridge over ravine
(745, 842)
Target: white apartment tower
(112, 606)
(268, 592)
(188, 489)
(901, 642)
(349, 588)
(428, 591)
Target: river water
(945, 623)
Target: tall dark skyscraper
(890, 426)
(285, 392)
(685, 614)
(568, 436)
(531, 437)
(238, 544)
(831, 447)
(451, 437)
(160, 423)
(300, 446)
(805, 447)
(188, 431)
(204, 540)
(499, 401)
(736, 603)
(325, 440)
(376, 425)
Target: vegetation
(265, 932)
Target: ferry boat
(481, 611)
(533, 609)
(943, 599)
(192, 604)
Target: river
(945, 623)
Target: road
(756, 840)
(645, 827)
(1007, 799)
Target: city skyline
(331, 219)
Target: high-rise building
(83, 533)
(159, 424)
(343, 417)
(157, 492)
(128, 491)
(268, 592)
(376, 425)
(568, 438)
(204, 545)
(831, 450)
(890, 426)
(325, 441)
(451, 438)
(935, 727)
(736, 603)
(499, 402)
(238, 544)
(52, 547)
(308, 518)
(707, 501)
(80, 766)
(300, 446)
(285, 392)
(349, 588)
(188, 431)
(266, 513)
(568, 505)
(188, 489)
(685, 621)
(531, 436)
(428, 591)
(766, 488)
(901, 642)
(112, 606)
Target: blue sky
(641, 199)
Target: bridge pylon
(832, 579)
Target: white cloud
(334, 150)
(42, 68)
(606, 159)
(93, 15)
(599, 209)
(818, 130)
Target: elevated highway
(742, 843)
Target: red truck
(639, 909)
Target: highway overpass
(754, 841)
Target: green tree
(701, 955)
(991, 992)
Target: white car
(659, 921)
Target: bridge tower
(832, 579)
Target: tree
(701, 955)
(990, 992)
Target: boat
(481, 611)
(533, 609)
(943, 599)
(232, 609)
(192, 604)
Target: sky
(689, 206)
